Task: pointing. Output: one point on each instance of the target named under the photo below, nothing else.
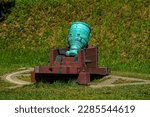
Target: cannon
(79, 60)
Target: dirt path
(13, 77)
(109, 82)
(120, 81)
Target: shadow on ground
(65, 78)
(5, 8)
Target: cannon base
(81, 67)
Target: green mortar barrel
(78, 37)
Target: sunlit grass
(71, 90)
(5, 84)
(120, 29)
(132, 74)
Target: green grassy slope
(120, 28)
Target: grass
(122, 81)
(24, 78)
(63, 91)
(99, 80)
(120, 29)
(71, 91)
(5, 84)
(132, 74)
